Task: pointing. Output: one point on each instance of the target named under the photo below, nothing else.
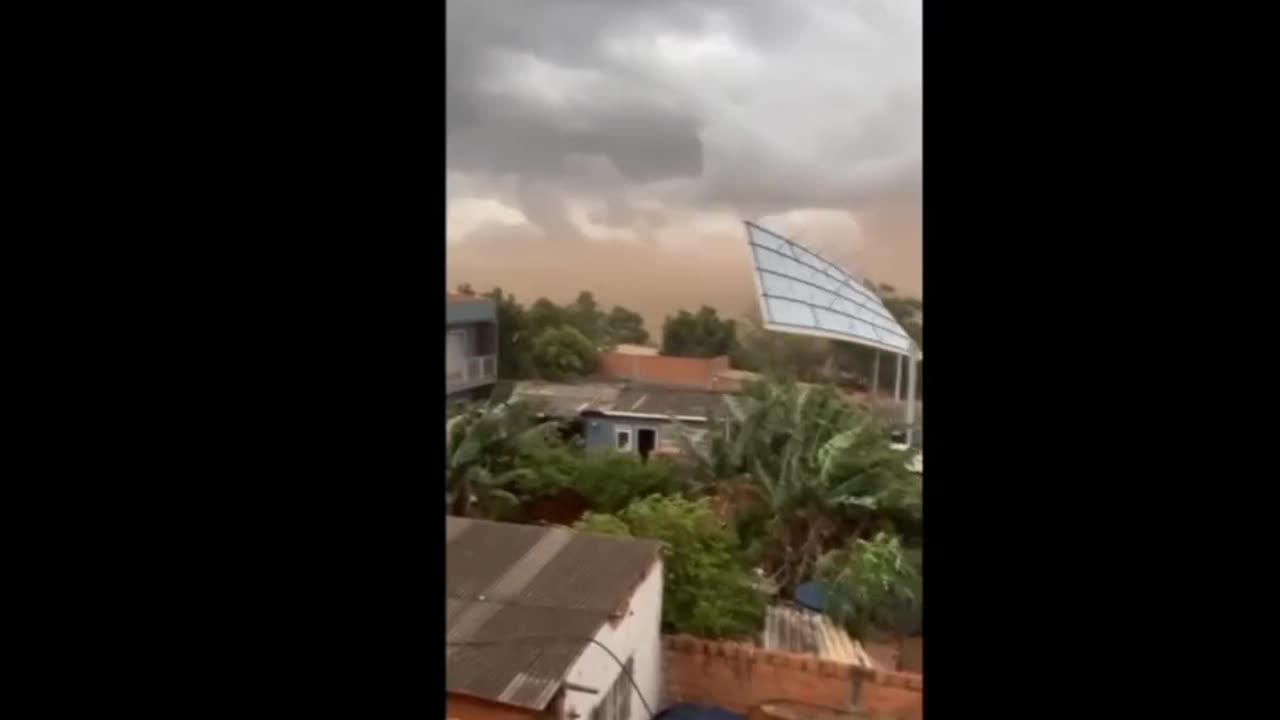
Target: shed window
(616, 704)
(624, 439)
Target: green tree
(563, 352)
(785, 356)
(545, 315)
(584, 315)
(708, 589)
(703, 334)
(625, 326)
(489, 448)
(908, 311)
(514, 341)
(873, 585)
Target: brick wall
(462, 707)
(692, 373)
(739, 676)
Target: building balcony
(475, 371)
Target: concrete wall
(739, 676)
(637, 635)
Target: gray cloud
(756, 106)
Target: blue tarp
(689, 711)
(812, 595)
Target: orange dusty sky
(710, 268)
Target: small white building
(530, 613)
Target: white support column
(897, 378)
(911, 393)
(875, 377)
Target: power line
(561, 638)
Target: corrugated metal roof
(572, 399)
(506, 582)
(666, 402)
(796, 630)
(566, 399)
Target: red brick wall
(693, 373)
(739, 676)
(462, 707)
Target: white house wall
(637, 636)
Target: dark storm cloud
(808, 103)
(495, 131)
(546, 209)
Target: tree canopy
(563, 352)
(702, 334)
(623, 326)
(562, 356)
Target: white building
(530, 613)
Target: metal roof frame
(847, 287)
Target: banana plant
(820, 470)
(488, 447)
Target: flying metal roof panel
(803, 293)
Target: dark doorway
(646, 441)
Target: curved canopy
(801, 292)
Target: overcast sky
(663, 124)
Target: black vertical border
(280, 418)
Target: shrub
(873, 584)
(709, 591)
(614, 480)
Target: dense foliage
(698, 334)
(607, 481)
(613, 480)
(551, 341)
(490, 448)
(563, 352)
(784, 356)
(820, 469)
(908, 311)
(708, 589)
(514, 338)
(625, 326)
(702, 334)
(872, 585)
(502, 456)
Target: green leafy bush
(603, 524)
(614, 480)
(709, 591)
(873, 585)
